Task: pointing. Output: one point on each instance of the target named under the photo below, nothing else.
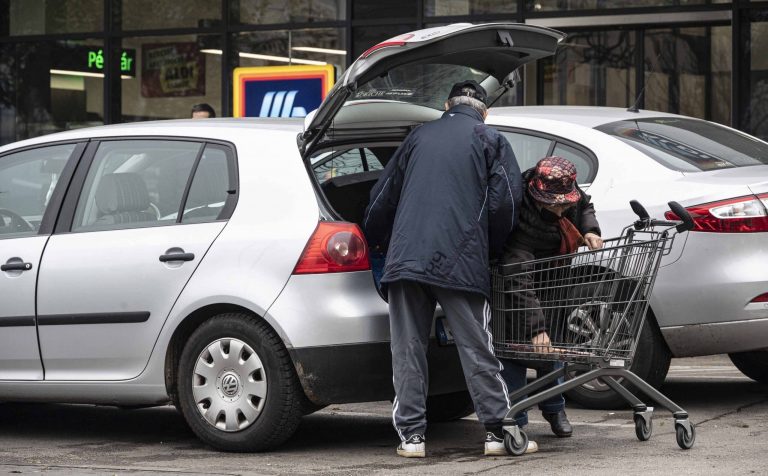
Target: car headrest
(123, 192)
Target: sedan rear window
(689, 145)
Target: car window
(135, 183)
(209, 190)
(689, 145)
(328, 165)
(579, 158)
(27, 181)
(528, 149)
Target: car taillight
(761, 298)
(739, 215)
(334, 247)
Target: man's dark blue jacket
(446, 202)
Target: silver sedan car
(219, 265)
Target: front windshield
(422, 84)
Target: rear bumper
(363, 372)
(702, 301)
(717, 338)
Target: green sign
(74, 59)
(95, 61)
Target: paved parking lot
(730, 410)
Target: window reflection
(549, 5)
(36, 17)
(756, 113)
(48, 87)
(687, 71)
(592, 69)
(468, 7)
(283, 47)
(365, 9)
(282, 11)
(173, 73)
(155, 14)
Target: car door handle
(177, 257)
(16, 266)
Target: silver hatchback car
(219, 264)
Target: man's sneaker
(532, 447)
(494, 446)
(413, 447)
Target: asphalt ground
(730, 412)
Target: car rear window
(689, 145)
(420, 84)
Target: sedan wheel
(752, 364)
(237, 387)
(651, 363)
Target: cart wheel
(685, 439)
(643, 430)
(514, 447)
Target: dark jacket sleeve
(505, 193)
(524, 316)
(385, 195)
(587, 220)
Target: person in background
(556, 217)
(203, 111)
(448, 200)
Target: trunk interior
(360, 142)
(347, 173)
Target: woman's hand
(541, 343)
(594, 242)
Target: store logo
(280, 104)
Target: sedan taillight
(334, 247)
(738, 215)
(761, 298)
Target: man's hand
(541, 343)
(594, 242)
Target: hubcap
(229, 384)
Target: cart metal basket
(592, 304)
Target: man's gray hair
(468, 100)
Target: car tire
(449, 407)
(753, 364)
(233, 402)
(650, 363)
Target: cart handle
(639, 210)
(645, 221)
(682, 213)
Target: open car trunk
(396, 86)
(348, 165)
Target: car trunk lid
(420, 67)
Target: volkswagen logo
(230, 385)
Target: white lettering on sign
(280, 104)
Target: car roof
(582, 115)
(219, 128)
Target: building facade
(76, 63)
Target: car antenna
(634, 107)
(637, 101)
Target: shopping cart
(593, 305)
